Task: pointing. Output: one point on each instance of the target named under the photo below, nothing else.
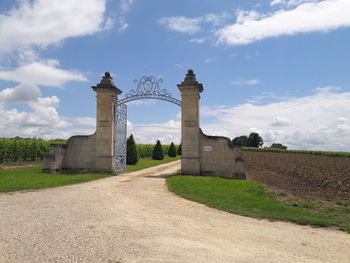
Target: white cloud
(209, 60)
(198, 40)
(290, 3)
(167, 132)
(122, 24)
(85, 121)
(216, 19)
(21, 93)
(194, 25)
(243, 16)
(276, 2)
(145, 102)
(311, 122)
(43, 73)
(245, 82)
(42, 121)
(281, 121)
(44, 22)
(126, 4)
(307, 17)
(181, 24)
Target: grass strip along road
(250, 198)
(33, 178)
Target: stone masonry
(93, 153)
(202, 154)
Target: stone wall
(52, 163)
(220, 158)
(93, 153)
(80, 154)
(77, 156)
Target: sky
(277, 67)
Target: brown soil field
(302, 175)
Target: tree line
(256, 141)
(156, 152)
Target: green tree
(132, 156)
(254, 140)
(179, 149)
(172, 150)
(158, 153)
(278, 146)
(241, 141)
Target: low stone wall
(52, 162)
(77, 156)
(80, 155)
(220, 158)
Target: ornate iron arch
(148, 88)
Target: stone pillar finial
(107, 83)
(191, 81)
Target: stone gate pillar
(190, 89)
(107, 94)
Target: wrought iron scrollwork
(148, 88)
(120, 137)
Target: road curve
(133, 218)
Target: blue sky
(276, 67)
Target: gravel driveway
(133, 218)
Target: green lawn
(250, 198)
(146, 163)
(33, 178)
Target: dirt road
(133, 218)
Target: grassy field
(26, 178)
(33, 178)
(252, 199)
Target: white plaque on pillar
(208, 148)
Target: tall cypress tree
(179, 149)
(172, 150)
(132, 156)
(158, 153)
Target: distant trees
(172, 150)
(132, 156)
(278, 146)
(241, 141)
(253, 140)
(158, 153)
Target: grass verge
(33, 178)
(250, 198)
(26, 178)
(146, 163)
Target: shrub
(131, 151)
(278, 146)
(158, 153)
(172, 150)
